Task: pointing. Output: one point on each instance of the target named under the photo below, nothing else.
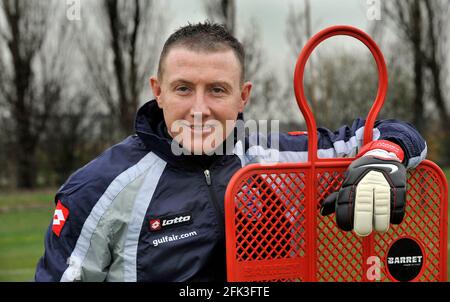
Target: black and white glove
(373, 193)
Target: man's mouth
(204, 129)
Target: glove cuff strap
(385, 145)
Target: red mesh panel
(268, 230)
(426, 220)
(269, 219)
(339, 254)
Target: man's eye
(182, 89)
(218, 90)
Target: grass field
(24, 218)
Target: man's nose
(200, 106)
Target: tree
(298, 31)
(75, 130)
(222, 11)
(264, 83)
(121, 55)
(408, 17)
(33, 74)
(424, 26)
(437, 13)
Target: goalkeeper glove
(373, 193)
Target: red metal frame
(273, 228)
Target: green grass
(38, 198)
(24, 218)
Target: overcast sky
(271, 16)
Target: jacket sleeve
(75, 250)
(344, 142)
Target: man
(142, 211)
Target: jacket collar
(149, 119)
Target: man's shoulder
(92, 180)
(282, 141)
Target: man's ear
(156, 89)
(245, 95)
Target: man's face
(201, 95)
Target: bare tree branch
(433, 62)
(222, 11)
(34, 78)
(127, 55)
(424, 26)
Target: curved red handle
(299, 88)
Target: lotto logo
(59, 218)
(176, 220)
(155, 225)
(160, 223)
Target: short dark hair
(207, 37)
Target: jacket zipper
(213, 197)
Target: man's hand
(373, 193)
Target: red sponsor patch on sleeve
(59, 218)
(383, 145)
(297, 133)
